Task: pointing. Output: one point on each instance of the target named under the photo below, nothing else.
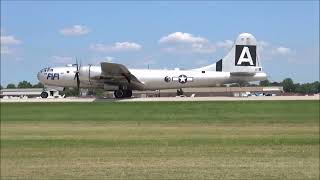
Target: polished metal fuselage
(151, 79)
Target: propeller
(76, 76)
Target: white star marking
(182, 79)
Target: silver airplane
(241, 64)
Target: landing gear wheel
(128, 93)
(122, 93)
(179, 92)
(119, 93)
(44, 94)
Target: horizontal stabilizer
(242, 73)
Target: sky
(157, 34)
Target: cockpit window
(46, 70)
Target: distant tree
(288, 85)
(315, 87)
(276, 83)
(297, 88)
(264, 83)
(24, 84)
(39, 85)
(244, 84)
(304, 88)
(252, 85)
(11, 86)
(309, 88)
(1, 87)
(234, 85)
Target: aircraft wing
(118, 74)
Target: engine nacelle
(88, 73)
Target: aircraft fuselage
(151, 78)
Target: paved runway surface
(262, 98)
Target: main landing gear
(120, 93)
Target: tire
(119, 93)
(44, 94)
(179, 92)
(128, 93)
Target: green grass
(171, 112)
(160, 140)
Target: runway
(259, 98)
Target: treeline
(305, 88)
(26, 84)
(288, 86)
(23, 85)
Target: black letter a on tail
(245, 55)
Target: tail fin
(243, 58)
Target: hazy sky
(160, 34)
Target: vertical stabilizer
(242, 58)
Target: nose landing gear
(44, 94)
(120, 93)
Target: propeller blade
(77, 64)
(78, 85)
(76, 76)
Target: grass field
(160, 140)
